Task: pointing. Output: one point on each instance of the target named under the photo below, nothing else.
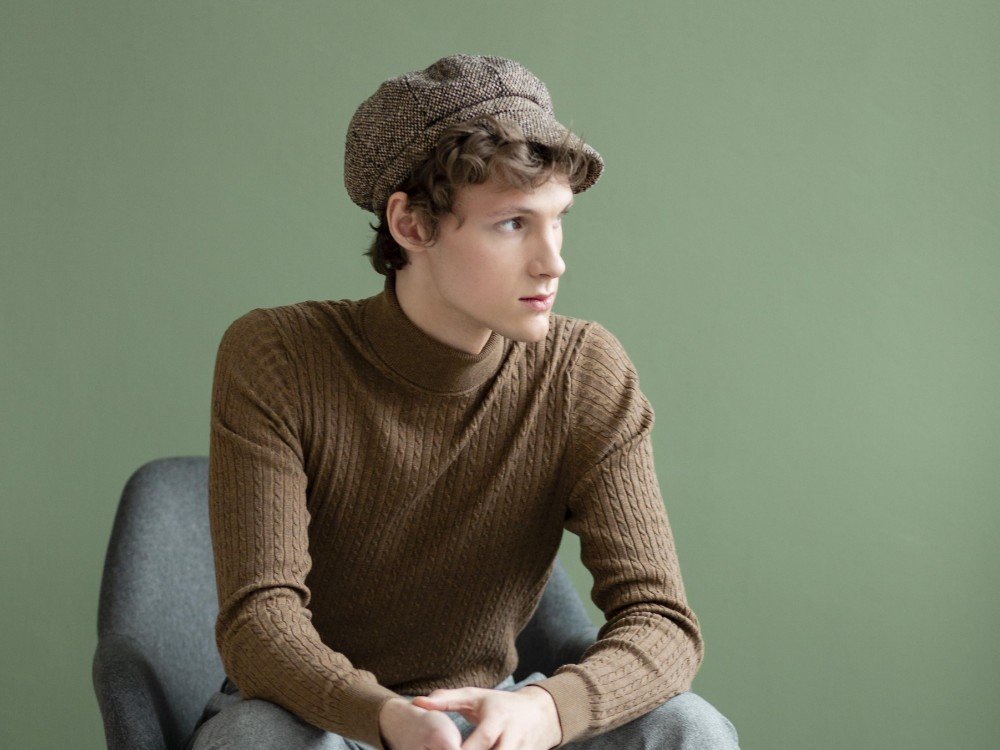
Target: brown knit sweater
(385, 510)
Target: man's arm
(650, 647)
(259, 524)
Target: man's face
(508, 247)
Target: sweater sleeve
(650, 646)
(259, 522)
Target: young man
(390, 478)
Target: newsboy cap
(396, 128)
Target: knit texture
(385, 511)
(397, 126)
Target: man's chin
(528, 334)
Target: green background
(796, 238)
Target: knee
(689, 722)
(255, 723)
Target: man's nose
(549, 258)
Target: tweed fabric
(397, 127)
(385, 511)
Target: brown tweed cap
(396, 127)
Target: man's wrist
(386, 715)
(548, 706)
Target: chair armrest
(131, 702)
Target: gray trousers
(685, 722)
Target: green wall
(797, 238)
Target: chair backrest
(158, 588)
(158, 604)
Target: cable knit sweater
(385, 510)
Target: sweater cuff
(569, 692)
(361, 704)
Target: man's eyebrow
(523, 210)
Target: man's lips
(539, 304)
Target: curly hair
(472, 153)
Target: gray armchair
(156, 662)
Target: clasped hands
(524, 719)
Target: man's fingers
(484, 737)
(457, 699)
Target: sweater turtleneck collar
(418, 357)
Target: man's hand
(406, 727)
(524, 719)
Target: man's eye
(517, 219)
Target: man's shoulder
(303, 322)
(584, 337)
(566, 329)
(313, 311)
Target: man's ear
(404, 224)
